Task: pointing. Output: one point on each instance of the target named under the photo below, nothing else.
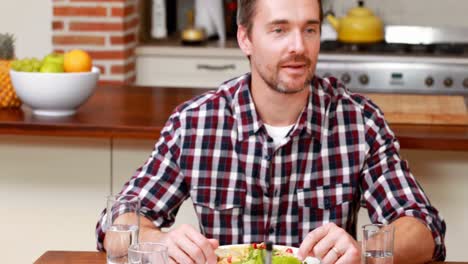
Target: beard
(275, 82)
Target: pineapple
(8, 98)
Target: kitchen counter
(141, 112)
(57, 167)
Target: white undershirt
(278, 133)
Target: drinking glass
(148, 253)
(377, 244)
(122, 233)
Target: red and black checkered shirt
(339, 155)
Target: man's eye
(310, 30)
(278, 30)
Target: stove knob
(346, 78)
(448, 82)
(364, 79)
(429, 81)
(465, 83)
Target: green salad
(254, 253)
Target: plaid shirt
(215, 150)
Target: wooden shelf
(175, 41)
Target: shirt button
(326, 202)
(276, 192)
(271, 230)
(267, 157)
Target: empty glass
(148, 253)
(377, 244)
(122, 233)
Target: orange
(77, 61)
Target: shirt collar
(311, 118)
(245, 114)
(248, 121)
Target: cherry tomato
(259, 245)
(289, 250)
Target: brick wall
(107, 29)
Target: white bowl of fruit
(57, 85)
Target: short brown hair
(246, 12)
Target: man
(281, 155)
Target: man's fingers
(345, 259)
(177, 254)
(203, 244)
(214, 243)
(186, 245)
(195, 245)
(311, 240)
(330, 257)
(325, 245)
(193, 250)
(335, 242)
(172, 260)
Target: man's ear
(243, 40)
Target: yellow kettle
(360, 25)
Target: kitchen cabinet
(195, 67)
(53, 189)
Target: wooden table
(141, 112)
(65, 257)
(77, 257)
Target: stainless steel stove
(435, 66)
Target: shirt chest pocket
(322, 204)
(220, 209)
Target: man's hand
(186, 245)
(331, 244)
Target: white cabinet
(188, 66)
(52, 190)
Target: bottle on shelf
(158, 25)
(171, 17)
(209, 15)
(230, 16)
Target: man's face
(284, 43)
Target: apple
(51, 67)
(56, 58)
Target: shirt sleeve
(389, 189)
(159, 183)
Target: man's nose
(296, 43)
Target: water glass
(122, 233)
(148, 253)
(377, 244)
